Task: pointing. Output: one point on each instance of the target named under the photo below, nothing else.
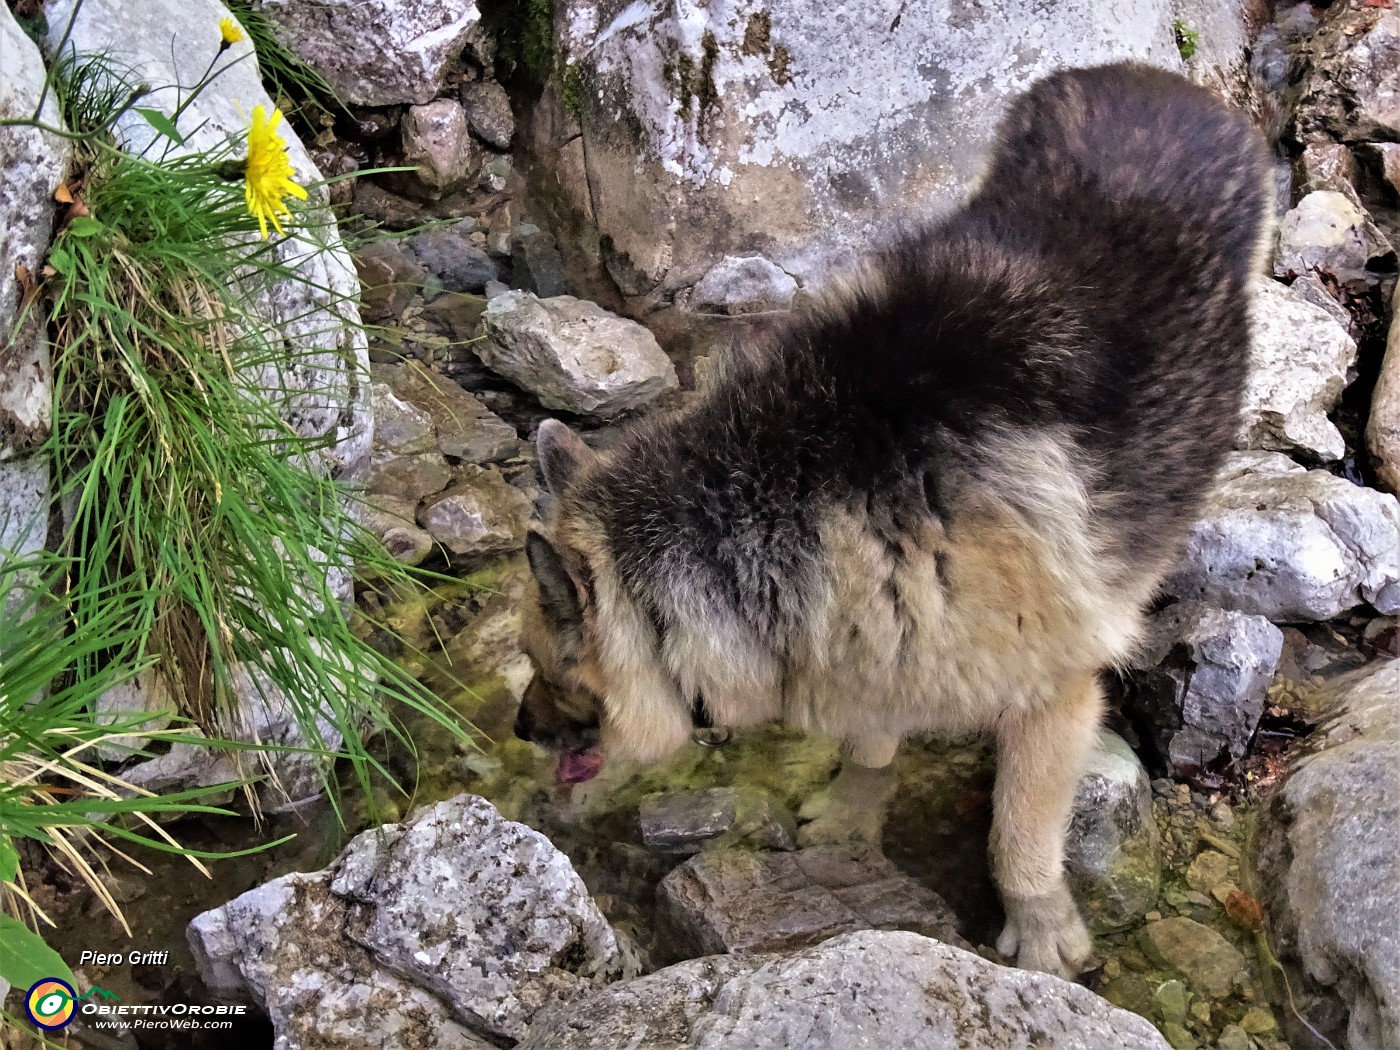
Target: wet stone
(450, 255)
(1204, 959)
(1113, 849)
(737, 901)
(1169, 1001)
(685, 821)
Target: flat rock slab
(572, 354)
(867, 990)
(457, 920)
(738, 901)
(1200, 955)
(439, 414)
(684, 822)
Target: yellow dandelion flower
(230, 31)
(267, 178)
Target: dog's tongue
(577, 766)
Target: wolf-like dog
(940, 499)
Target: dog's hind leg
(1040, 757)
(852, 807)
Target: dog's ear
(561, 454)
(559, 593)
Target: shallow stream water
(460, 640)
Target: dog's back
(1091, 295)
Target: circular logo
(50, 1003)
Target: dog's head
(599, 686)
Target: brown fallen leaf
(63, 194)
(1244, 911)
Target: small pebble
(1178, 1037)
(1232, 1038)
(1258, 1020)
(1112, 970)
(1169, 1001)
(1223, 815)
(1200, 1010)
(1152, 916)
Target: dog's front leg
(1040, 757)
(852, 807)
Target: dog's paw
(1046, 933)
(850, 809)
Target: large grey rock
(1299, 359)
(1329, 231)
(1113, 853)
(1291, 544)
(34, 163)
(1205, 679)
(282, 947)
(572, 354)
(481, 514)
(796, 131)
(738, 901)
(1329, 854)
(376, 52)
(1349, 76)
(457, 920)
(317, 389)
(868, 990)
(1383, 427)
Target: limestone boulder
(870, 989)
(318, 389)
(453, 929)
(1299, 359)
(573, 354)
(1383, 426)
(1329, 851)
(34, 164)
(1290, 544)
(797, 132)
